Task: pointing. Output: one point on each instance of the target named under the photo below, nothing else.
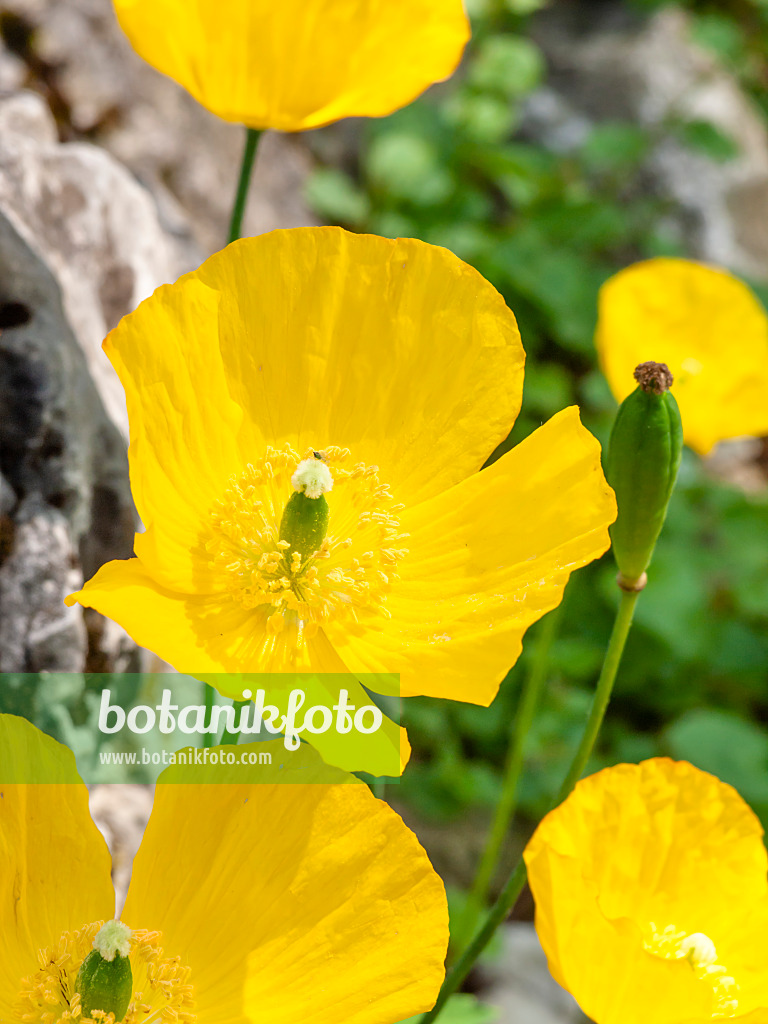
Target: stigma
(113, 939)
(312, 477)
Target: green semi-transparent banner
(260, 728)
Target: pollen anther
(298, 591)
(162, 988)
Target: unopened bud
(643, 459)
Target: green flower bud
(105, 979)
(643, 459)
(305, 517)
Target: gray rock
(121, 812)
(519, 984)
(187, 157)
(80, 245)
(37, 631)
(93, 225)
(605, 65)
(64, 465)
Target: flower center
(343, 567)
(700, 952)
(161, 987)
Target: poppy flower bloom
(710, 330)
(651, 897)
(374, 376)
(298, 64)
(264, 903)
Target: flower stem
(533, 686)
(208, 699)
(516, 880)
(252, 137)
(233, 737)
(602, 696)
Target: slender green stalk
(208, 699)
(252, 137)
(516, 880)
(621, 626)
(234, 737)
(379, 788)
(533, 687)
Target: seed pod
(105, 985)
(304, 523)
(644, 455)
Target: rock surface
(121, 812)
(66, 501)
(75, 54)
(94, 227)
(80, 245)
(519, 985)
(608, 66)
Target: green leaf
(707, 138)
(561, 281)
(614, 146)
(333, 195)
(522, 173)
(482, 117)
(720, 34)
(734, 750)
(524, 6)
(408, 167)
(508, 65)
(464, 1008)
(548, 388)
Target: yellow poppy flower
(264, 903)
(298, 64)
(404, 367)
(707, 327)
(651, 897)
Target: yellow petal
(403, 354)
(196, 634)
(636, 859)
(487, 559)
(184, 426)
(312, 337)
(54, 864)
(301, 63)
(707, 327)
(219, 641)
(291, 902)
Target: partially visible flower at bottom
(263, 903)
(652, 899)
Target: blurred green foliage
(547, 229)
(463, 1008)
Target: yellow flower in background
(651, 897)
(264, 903)
(382, 373)
(711, 331)
(298, 64)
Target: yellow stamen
(162, 990)
(699, 950)
(295, 593)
